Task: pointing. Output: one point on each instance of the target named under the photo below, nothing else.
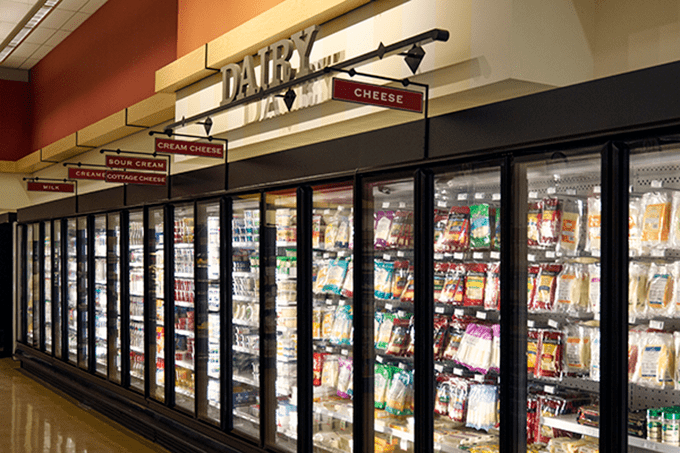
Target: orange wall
(15, 126)
(201, 21)
(104, 66)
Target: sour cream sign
(167, 146)
(136, 163)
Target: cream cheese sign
(240, 81)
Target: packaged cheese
(457, 233)
(594, 224)
(655, 367)
(550, 222)
(546, 283)
(637, 289)
(550, 358)
(656, 207)
(635, 227)
(480, 226)
(475, 282)
(482, 407)
(572, 289)
(475, 348)
(659, 291)
(594, 288)
(572, 221)
(533, 223)
(492, 292)
(577, 350)
(676, 374)
(675, 222)
(383, 224)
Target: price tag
(387, 257)
(596, 253)
(631, 320)
(495, 255)
(329, 349)
(531, 323)
(657, 253)
(549, 389)
(344, 352)
(388, 307)
(550, 254)
(326, 255)
(439, 310)
(403, 444)
(531, 257)
(571, 192)
(597, 189)
(462, 196)
(438, 256)
(386, 204)
(439, 368)
(654, 324)
(481, 315)
(597, 317)
(554, 324)
(401, 313)
(403, 366)
(342, 254)
(401, 254)
(477, 256)
(458, 371)
(496, 197)
(479, 196)
(341, 208)
(479, 377)
(379, 359)
(458, 256)
(459, 312)
(441, 204)
(533, 194)
(552, 190)
(656, 184)
(326, 212)
(329, 301)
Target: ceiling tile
(5, 29)
(40, 35)
(92, 6)
(41, 51)
(75, 21)
(26, 49)
(71, 5)
(29, 63)
(56, 19)
(57, 37)
(13, 11)
(14, 61)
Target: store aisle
(35, 419)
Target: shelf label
(344, 352)
(656, 184)
(531, 257)
(386, 204)
(531, 323)
(554, 324)
(458, 371)
(167, 146)
(462, 196)
(657, 253)
(439, 368)
(533, 194)
(479, 377)
(496, 197)
(631, 320)
(387, 257)
(597, 189)
(459, 312)
(438, 256)
(495, 255)
(550, 254)
(479, 196)
(571, 191)
(326, 212)
(379, 359)
(402, 204)
(441, 204)
(654, 324)
(458, 256)
(478, 256)
(439, 310)
(549, 389)
(401, 254)
(403, 366)
(388, 307)
(552, 190)
(481, 314)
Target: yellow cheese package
(577, 350)
(660, 291)
(572, 221)
(637, 289)
(656, 222)
(674, 238)
(594, 224)
(655, 366)
(572, 289)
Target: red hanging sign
(86, 173)
(132, 177)
(167, 146)
(50, 187)
(366, 93)
(136, 163)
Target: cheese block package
(398, 229)
(546, 283)
(676, 371)
(533, 223)
(532, 276)
(675, 274)
(454, 336)
(595, 341)
(442, 395)
(475, 348)
(656, 208)
(345, 377)
(475, 282)
(633, 352)
(572, 224)
(594, 288)
(439, 278)
(577, 350)
(496, 240)
(674, 238)
(383, 376)
(637, 289)
(533, 341)
(482, 410)
(480, 226)
(655, 366)
(441, 327)
(318, 227)
(496, 348)
(383, 224)
(454, 285)
(399, 278)
(492, 292)
(399, 397)
(572, 289)
(550, 357)
(336, 276)
(635, 227)
(550, 222)
(384, 273)
(593, 227)
(457, 233)
(458, 399)
(659, 291)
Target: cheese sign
(380, 96)
(133, 177)
(86, 173)
(136, 163)
(50, 187)
(167, 146)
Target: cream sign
(240, 81)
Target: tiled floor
(35, 419)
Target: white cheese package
(482, 410)
(595, 354)
(594, 225)
(660, 291)
(594, 288)
(577, 350)
(475, 348)
(572, 223)
(655, 366)
(656, 212)
(635, 227)
(572, 289)
(674, 239)
(675, 273)
(637, 289)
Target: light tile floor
(33, 418)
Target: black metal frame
(112, 313)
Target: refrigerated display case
(100, 295)
(47, 285)
(72, 290)
(83, 297)
(136, 291)
(113, 296)
(58, 287)
(33, 286)
(245, 315)
(157, 301)
(185, 313)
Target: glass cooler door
(333, 317)
(47, 283)
(100, 294)
(57, 292)
(72, 289)
(33, 285)
(136, 288)
(113, 297)
(563, 300)
(185, 325)
(208, 328)
(157, 300)
(245, 316)
(83, 292)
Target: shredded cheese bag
(659, 290)
(637, 289)
(655, 367)
(655, 220)
(578, 350)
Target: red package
(550, 222)
(457, 234)
(440, 270)
(397, 229)
(440, 220)
(533, 419)
(400, 338)
(475, 281)
(406, 238)
(318, 358)
(407, 294)
(552, 406)
(443, 395)
(454, 285)
(455, 333)
(532, 350)
(492, 292)
(532, 275)
(550, 357)
(441, 325)
(546, 283)
(533, 222)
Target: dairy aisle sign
(377, 95)
(50, 187)
(134, 177)
(86, 173)
(167, 146)
(136, 163)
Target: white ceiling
(67, 16)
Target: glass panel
(654, 297)
(47, 285)
(113, 297)
(208, 305)
(390, 204)
(31, 293)
(37, 315)
(246, 315)
(157, 294)
(184, 307)
(466, 307)
(58, 285)
(136, 263)
(563, 278)
(281, 214)
(333, 318)
(21, 283)
(72, 295)
(82, 293)
(100, 294)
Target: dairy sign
(86, 173)
(136, 163)
(134, 177)
(50, 187)
(239, 81)
(167, 146)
